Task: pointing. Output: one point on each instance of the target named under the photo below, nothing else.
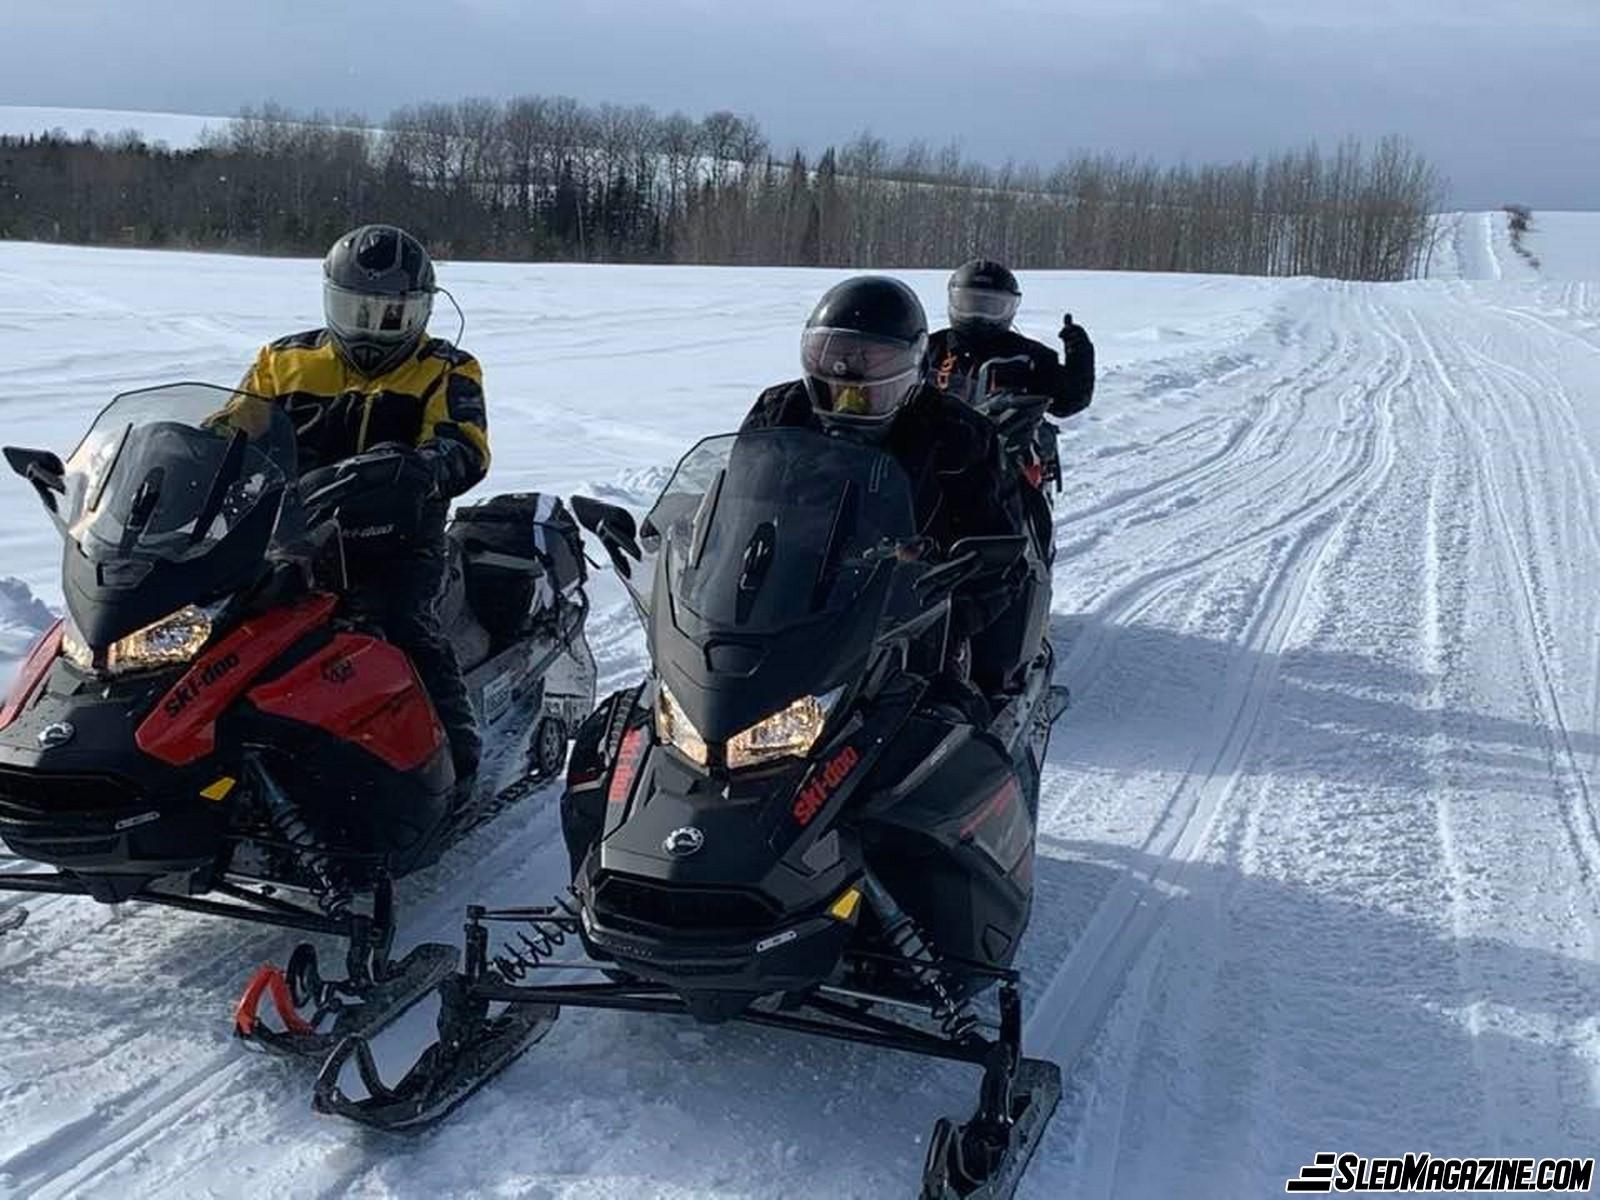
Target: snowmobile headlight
(168, 642)
(675, 729)
(790, 731)
(74, 649)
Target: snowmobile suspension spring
(955, 1016)
(332, 897)
(521, 956)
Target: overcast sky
(1502, 95)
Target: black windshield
(771, 554)
(770, 528)
(168, 473)
(173, 497)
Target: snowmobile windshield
(768, 529)
(772, 554)
(170, 473)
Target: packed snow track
(1319, 857)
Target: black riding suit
(955, 357)
(433, 400)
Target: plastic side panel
(183, 727)
(362, 691)
(33, 668)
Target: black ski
(356, 1012)
(462, 1061)
(985, 1158)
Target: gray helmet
(377, 295)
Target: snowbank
(23, 616)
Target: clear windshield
(763, 530)
(168, 472)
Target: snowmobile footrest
(403, 985)
(447, 1073)
(985, 1158)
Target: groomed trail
(1319, 860)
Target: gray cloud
(1501, 97)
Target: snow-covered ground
(1319, 858)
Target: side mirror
(43, 469)
(614, 526)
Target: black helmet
(377, 294)
(863, 350)
(983, 295)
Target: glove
(1077, 369)
(385, 516)
(1074, 340)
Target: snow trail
(1319, 861)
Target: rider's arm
(455, 427)
(258, 379)
(1070, 380)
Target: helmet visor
(849, 356)
(975, 304)
(375, 317)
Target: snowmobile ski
(356, 1009)
(451, 1071)
(985, 1159)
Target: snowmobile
(208, 729)
(800, 820)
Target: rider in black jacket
(983, 299)
(864, 356)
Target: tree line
(548, 178)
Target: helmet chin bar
(370, 357)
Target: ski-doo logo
(188, 689)
(823, 784)
(1425, 1173)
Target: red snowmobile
(210, 730)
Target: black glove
(1074, 340)
(1077, 369)
(392, 489)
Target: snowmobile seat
(471, 641)
(522, 553)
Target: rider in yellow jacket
(372, 377)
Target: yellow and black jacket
(432, 400)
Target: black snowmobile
(209, 730)
(797, 821)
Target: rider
(983, 299)
(863, 351)
(372, 377)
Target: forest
(551, 179)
